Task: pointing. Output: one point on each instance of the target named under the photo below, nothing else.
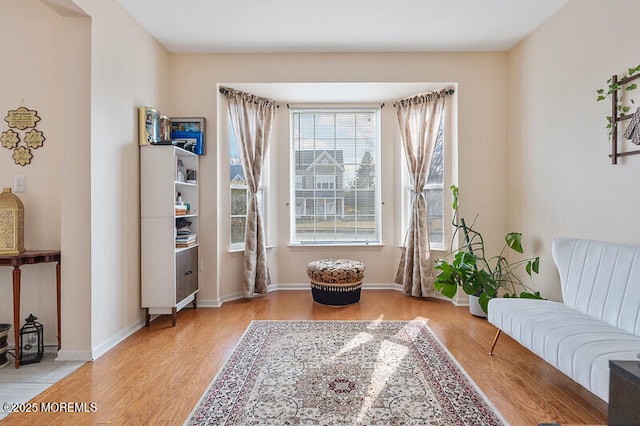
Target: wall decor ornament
(34, 138)
(22, 118)
(22, 156)
(10, 139)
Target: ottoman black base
(335, 297)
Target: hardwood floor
(157, 375)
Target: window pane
(238, 194)
(335, 173)
(237, 229)
(434, 192)
(238, 201)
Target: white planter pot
(474, 307)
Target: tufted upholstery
(598, 320)
(337, 271)
(601, 280)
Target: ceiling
(269, 26)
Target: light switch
(20, 183)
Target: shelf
(615, 119)
(179, 249)
(193, 185)
(169, 274)
(186, 215)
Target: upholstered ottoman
(336, 282)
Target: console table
(29, 257)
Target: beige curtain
(252, 118)
(419, 118)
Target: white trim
(114, 340)
(217, 303)
(74, 356)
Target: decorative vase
(474, 307)
(11, 223)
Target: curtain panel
(419, 119)
(252, 119)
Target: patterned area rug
(342, 373)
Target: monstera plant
(470, 268)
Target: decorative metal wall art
(22, 118)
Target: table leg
(16, 313)
(58, 291)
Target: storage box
(190, 141)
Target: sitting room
(233, 212)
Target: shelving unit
(615, 119)
(169, 273)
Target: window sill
(440, 250)
(337, 246)
(241, 249)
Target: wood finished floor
(157, 375)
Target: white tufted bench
(336, 282)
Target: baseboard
(208, 303)
(115, 339)
(74, 355)
(216, 303)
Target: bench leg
(495, 340)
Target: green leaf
(514, 241)
(600, 91)
(449, 291)
(528, 295)
(632, 86)
(483, 300)
(533, 266)
(601, 98)
(454, 191)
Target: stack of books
(185, 240)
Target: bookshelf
(169, 229)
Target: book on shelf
(185, 245)
(185, 239)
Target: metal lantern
(4, 330)
(31, 341)
(11, 223)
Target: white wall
(561, 179)
(128, 70)
(86, 67)
(481, 97)
(29, 77)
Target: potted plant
(478, 275)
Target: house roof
(308, 158)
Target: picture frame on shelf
(188, 133)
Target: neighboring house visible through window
(239, 195)
(335, 176)
(239, 199)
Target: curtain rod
(228, 91)
(446, 92)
